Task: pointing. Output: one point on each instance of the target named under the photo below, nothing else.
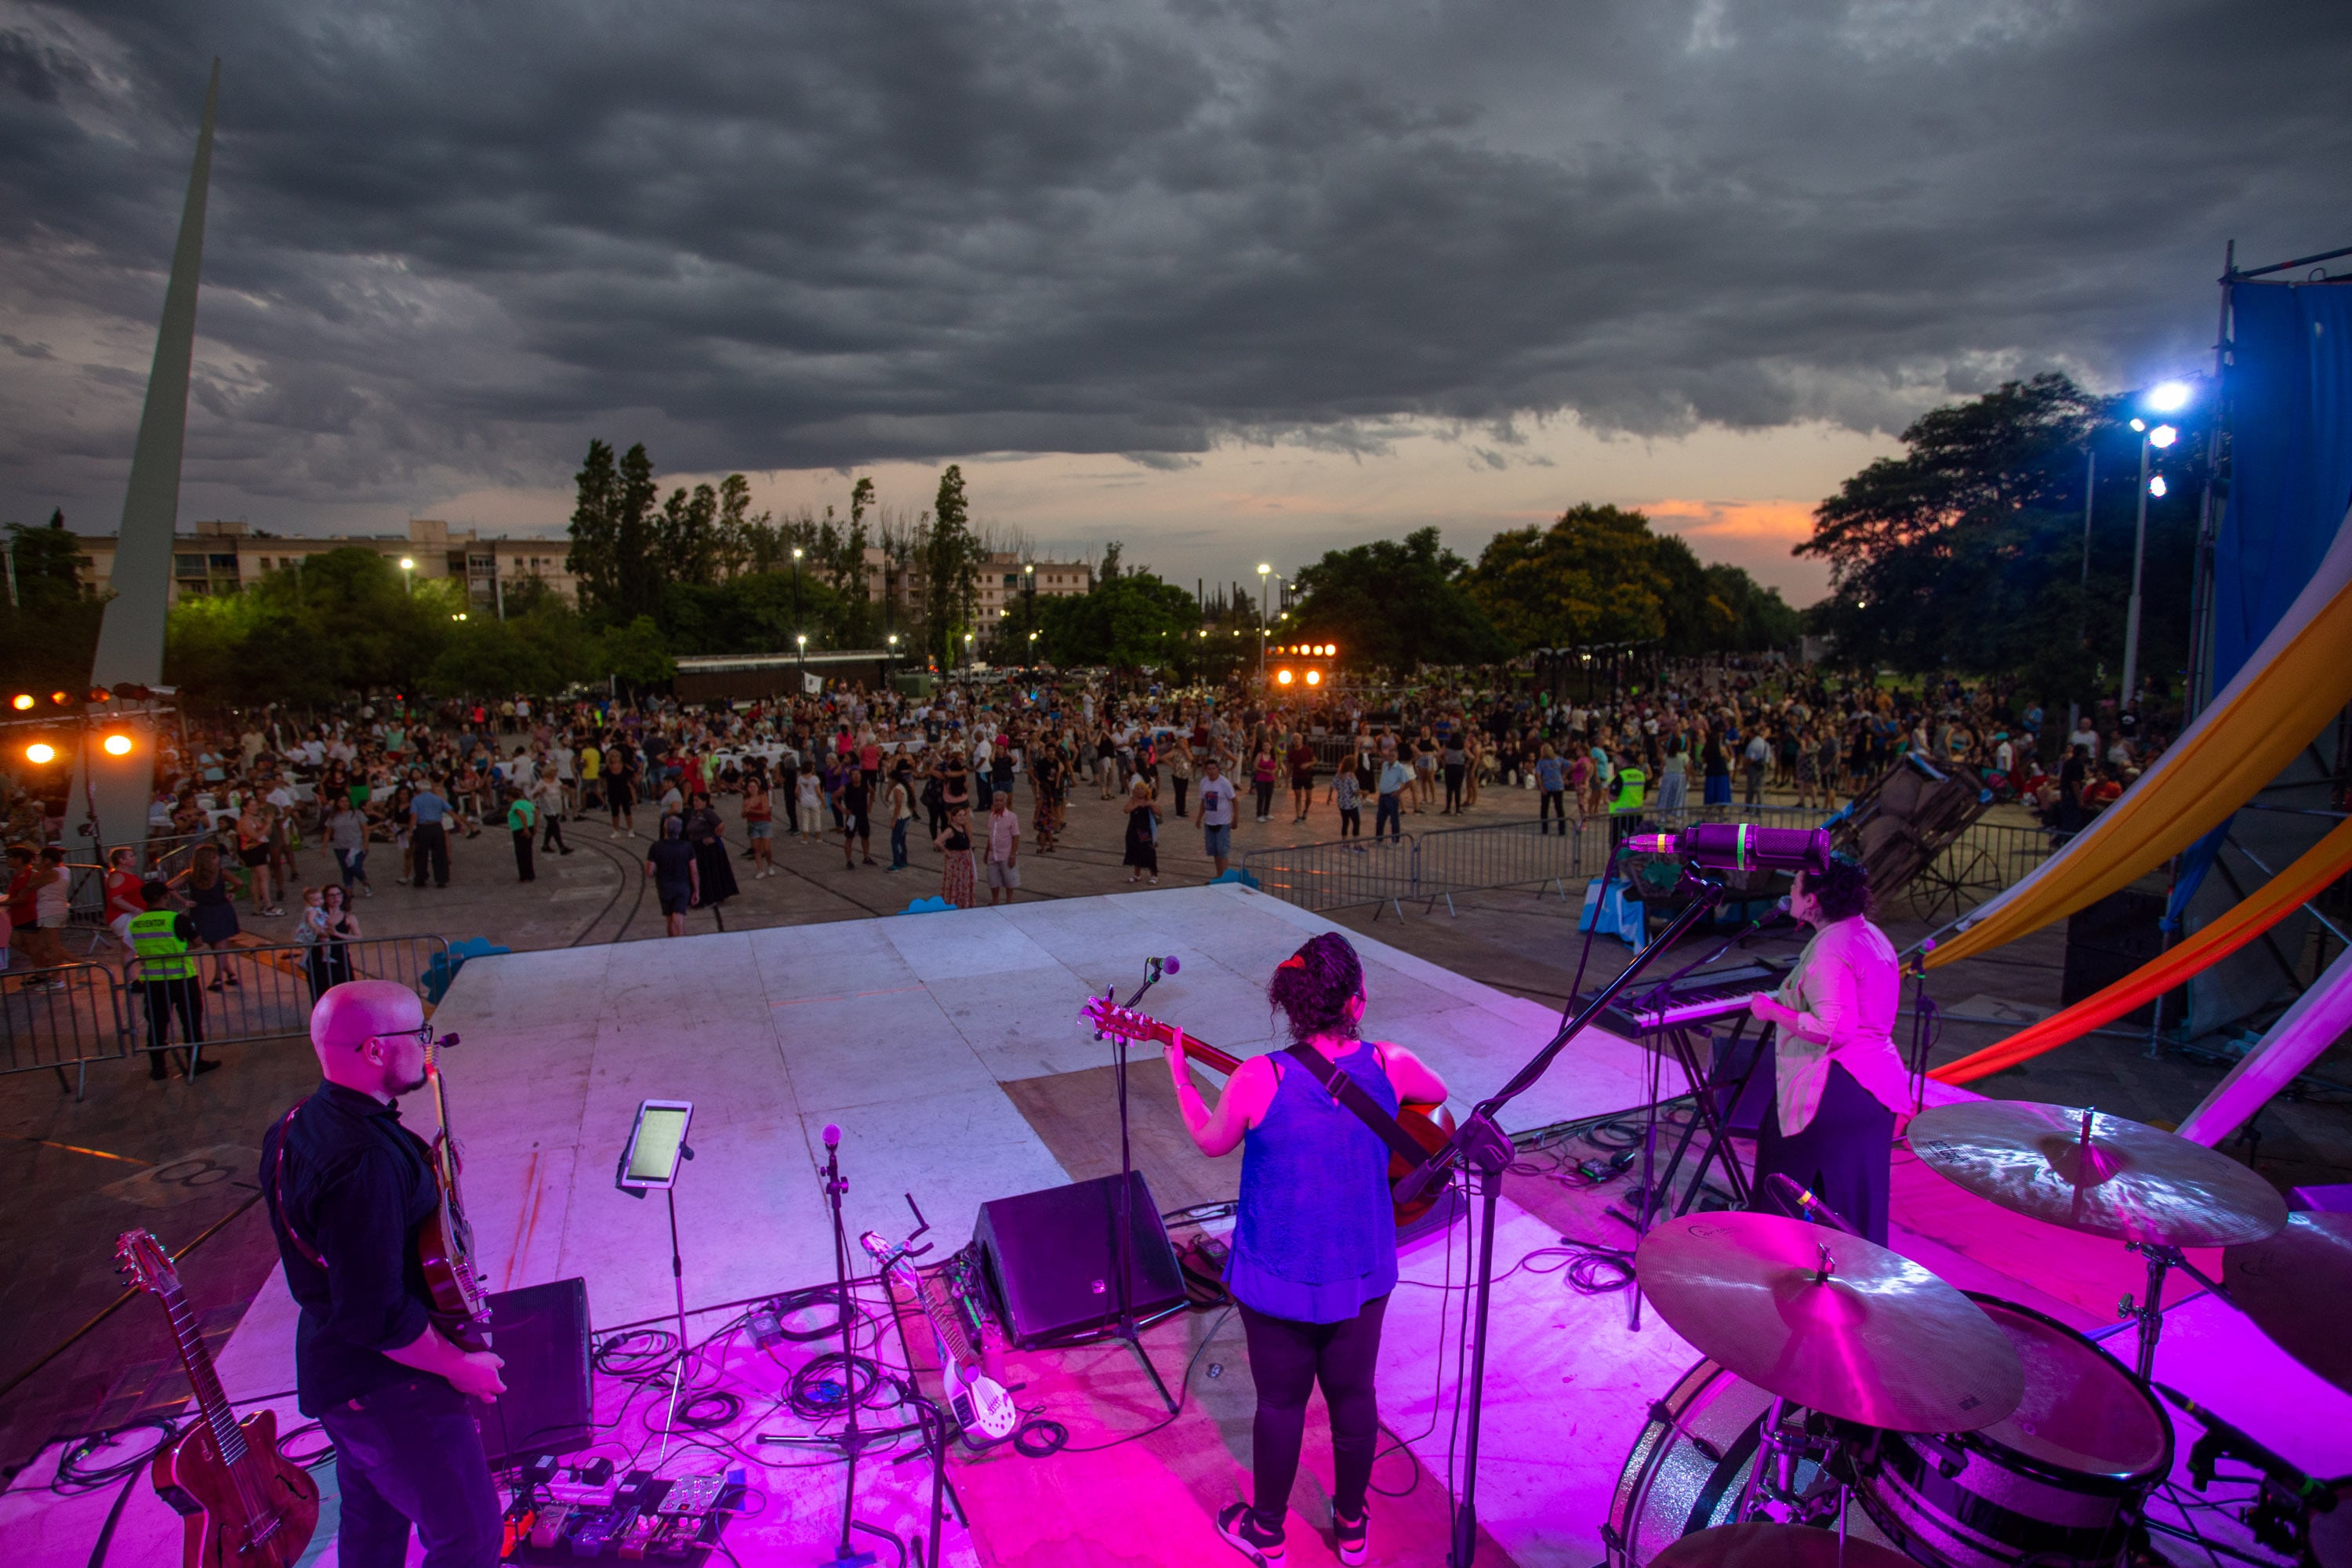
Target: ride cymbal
(1830, 1321)
(2127, 1181)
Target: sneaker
(205, 1065)
(1239, 1526)
(1352, 1537)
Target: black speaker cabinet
(1048, 1259)
(2108, 940)
(540, 1331)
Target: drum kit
(1973, 1432)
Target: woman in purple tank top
(1314, 1254)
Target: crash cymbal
(2294, 1285)
(1830, 1321)
(1776, 1546)
(2134, 1183)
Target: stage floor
(948, 1050)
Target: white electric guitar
(983, 1407)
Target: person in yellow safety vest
(162, 939)
(1630, 784)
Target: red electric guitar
(245, 1505)
(1432, 1135)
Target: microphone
(2223, 1441)
(1741, 847)
(832, 1137)
(1799, 1202)
(1168, 966)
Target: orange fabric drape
(2300, 883)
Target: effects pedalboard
(564, 1517)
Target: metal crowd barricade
(1337, 872)
(66, 1016)
(273, 989)
(1506, 854)
(1986, 858)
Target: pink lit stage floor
(902, 1031)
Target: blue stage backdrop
(2290, 398)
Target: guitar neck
(229, 1439)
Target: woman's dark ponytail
(1313, 986)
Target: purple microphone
(831, 1136)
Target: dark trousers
(1845, 1155)
(1554, 804)
(353, 864)
(1265, 797)
(898, 843)
(1287, 1360)
(789, 792)
(1385, 815)
(552, 837)
(429, 846)
(1754, 793)
(1453, 788)
(522, 855)
(1351, 822)
(1181, 783)
(164, 997)
(326, 964)
(410, 1456)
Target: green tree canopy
(1395, 604)
(1596, 575)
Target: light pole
(408, 574)
(890, 659)
(802, 638)
(796, 590)
(1264, 571)
(2170, 397)
(1029, 591)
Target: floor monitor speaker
(1046, 1257)
(540, 1331)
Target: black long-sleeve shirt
(355, 1187)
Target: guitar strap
(1352, 1094)
(277, 1191)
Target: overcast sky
(1230, 279)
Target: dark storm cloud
(447, 241)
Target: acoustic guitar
(445, 1242)
(1432, 1135)
(244, 1504)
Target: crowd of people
(981, 769)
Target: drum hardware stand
(1482, 1146)
(1781, 1446)
(2149, 1314)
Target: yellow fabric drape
(2320, 865)
(2299, 680)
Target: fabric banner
(2293, 688)
(2283, 894)
(2287, 392)
(2317, 1020)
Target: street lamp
(407, 575)
(796, 597)
(2167, 398)
(801, 639)
(1263, 571)
(1029, 593)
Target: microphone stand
(1483, 1146)
(1123, 1206)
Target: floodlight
(2156, 485)
(1283, 675)
(2140, 424)
(21, 701)
(2163, 436)
(407, 563)
(1314, 677)
(118, 745)
(41, 753)
(802, 638)
(2166, 397)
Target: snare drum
(2062, 1479)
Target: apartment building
(223, 557)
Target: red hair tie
(1295, 961)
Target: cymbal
(1776, 1546)
(2136, 1182)
(2294, 1285)
(1879, 1340)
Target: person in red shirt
(123, 898)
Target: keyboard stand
(1705, 1114)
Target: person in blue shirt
(431, 816)
(1313, 1256)
(1388, 808)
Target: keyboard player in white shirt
(1838, 1087)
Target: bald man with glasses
(348, 1187)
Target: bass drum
(1688, 1466)
(2061, 1482)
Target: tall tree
(688, 521)
(732, 536)
(637, 553)
(950, 569)
(594, 557)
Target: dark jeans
(1265, 797)
(430, 848)
(1385, 816)
(1754, 794)
(1181, 784)
(522, 855)
(353, 864)
(164, 997)
(553, 836)
(789, 792)
(1286, 1359)
(410, 1455)
(898, 843)
(1454, 787)
(1351, 822)
(1554, 804)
